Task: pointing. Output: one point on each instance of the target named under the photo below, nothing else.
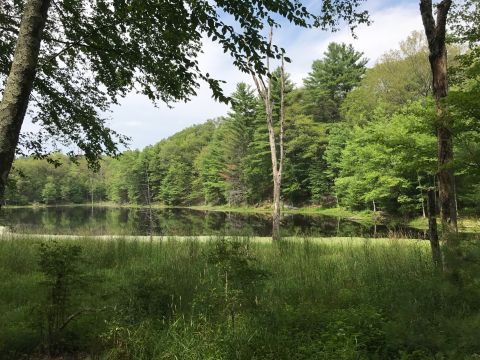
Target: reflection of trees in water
(179, 222)
(214, 222)
(133, 221)
(49, 221)
(248, 225)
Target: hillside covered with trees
(358, 137)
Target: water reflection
(124, 221)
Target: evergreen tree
(184, 146)
(211, 166)
(238, 135)
(331, 79)
(258, 164)
(176, 186)
(305, 141)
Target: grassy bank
(233, 299)
(465, 224)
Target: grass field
(235, 298)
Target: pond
(83, 220)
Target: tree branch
(79, 42)
(75, 314)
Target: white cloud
(390, 26)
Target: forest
(356, 137)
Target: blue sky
(146, 124)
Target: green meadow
(235, 298)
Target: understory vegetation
(235, 298)
(361, 138)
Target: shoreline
(364, 217)
(468, 224)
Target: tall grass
(240, 299)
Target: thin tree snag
(19, 83)
(432, 230)
(435, 30)
(265, 93)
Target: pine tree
(331, 79)
(238, 138)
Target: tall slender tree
(238, 138)
(265, 92)
(435, 30)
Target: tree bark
(277, 164)
(19, 83)
(276, 214)
(432, 230)
(265, 93)
(435, 31)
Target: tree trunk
(265, 93)
(435, 31)
(91, 195)
(446, 189)
(277, 175)
(276, 215)
(19, 83)
(432, 230)
(276, 172)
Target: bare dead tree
(265, 92)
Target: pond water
(83, 220)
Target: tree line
(358, 137)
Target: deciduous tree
(435, 30)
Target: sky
(145, 124)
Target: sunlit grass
(465, 224)
(322, 298)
